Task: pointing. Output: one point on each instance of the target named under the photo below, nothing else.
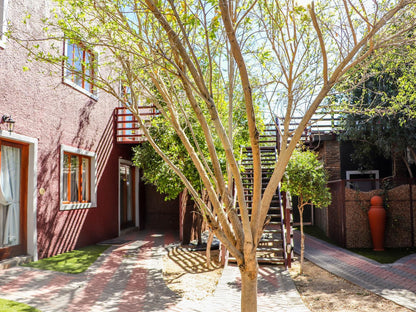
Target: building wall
(54, 113)
(329, 154)
(332, 159)
(159, 213)
(399, 202)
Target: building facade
(65, 182)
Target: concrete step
(15, 261)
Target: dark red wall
(54, 113)
(45, 108)
(159, 214)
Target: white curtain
(10, 189)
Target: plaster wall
(53, 113)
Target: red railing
(127, 128)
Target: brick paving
(395, 282)
(129, 277)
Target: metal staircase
(277, 232)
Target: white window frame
(69, 82)
(3, 22)
(93, 188)
(364, 172)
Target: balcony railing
(320, 124)
(127, 127)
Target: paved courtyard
(128, 277)
(395, 282)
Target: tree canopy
(382, 119)
(306, 178)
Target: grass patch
(73, 262)
(13, 306)
(389, 255)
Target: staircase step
(270, 240)
(268, 249)
(271, 246)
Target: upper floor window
(79, 69)
(3, 21)
(77, 178)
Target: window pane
(70, 61)
(74, 178)
(77, 64)
(80, 66)
(85, 179)
(65, 178)
(87, 71)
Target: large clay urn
(377, 218)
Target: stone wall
(398, 221)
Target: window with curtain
(10, 196)
(76, 178)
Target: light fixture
(8, 121)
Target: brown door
(13, 198)
(127, 198)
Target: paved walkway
(396, 282)
(129, 278)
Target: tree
(307, 179)
(159, 174)
(170, 54)
(382, 121)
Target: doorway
(128, 198)
(13, 199)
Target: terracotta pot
(377, 218)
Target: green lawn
(315, 231)
(389, 255)
(74, 262)
(12, 306)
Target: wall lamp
(8, 121)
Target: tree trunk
(406, 163)
(208, 250)
(183, 222)
(302, 240)
(248, 290)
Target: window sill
(80, 89)
(77, 206)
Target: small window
(77, 179)
(3, 21)
(364, 181)
(79, 69)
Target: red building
(65, 181)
